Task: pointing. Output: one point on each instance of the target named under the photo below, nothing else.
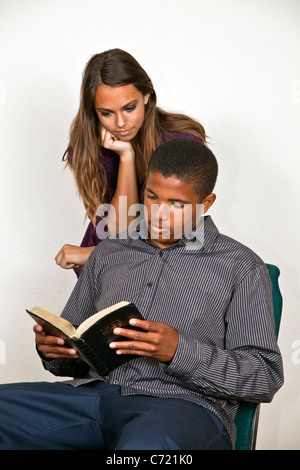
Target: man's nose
(163, 211)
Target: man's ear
(208, 202)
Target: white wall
(232, 64)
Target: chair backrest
(277, 297)
(246, 419)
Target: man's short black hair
(189, 161)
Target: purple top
(111, 165)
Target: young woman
(116, 130)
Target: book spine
(90, 358)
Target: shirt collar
(203, 237)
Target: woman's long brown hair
(115, 68)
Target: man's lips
(159, 229)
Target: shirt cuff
(188, 357)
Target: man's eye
(177, 205)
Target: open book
(92, 337)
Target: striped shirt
(219, 299)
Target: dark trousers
(95, 416)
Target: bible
(91, 339)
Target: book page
(40, 315)
(85, 325)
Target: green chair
(246, 419)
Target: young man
(206, 343)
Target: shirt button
(161, 253)
(115, 382)
(149, 284)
